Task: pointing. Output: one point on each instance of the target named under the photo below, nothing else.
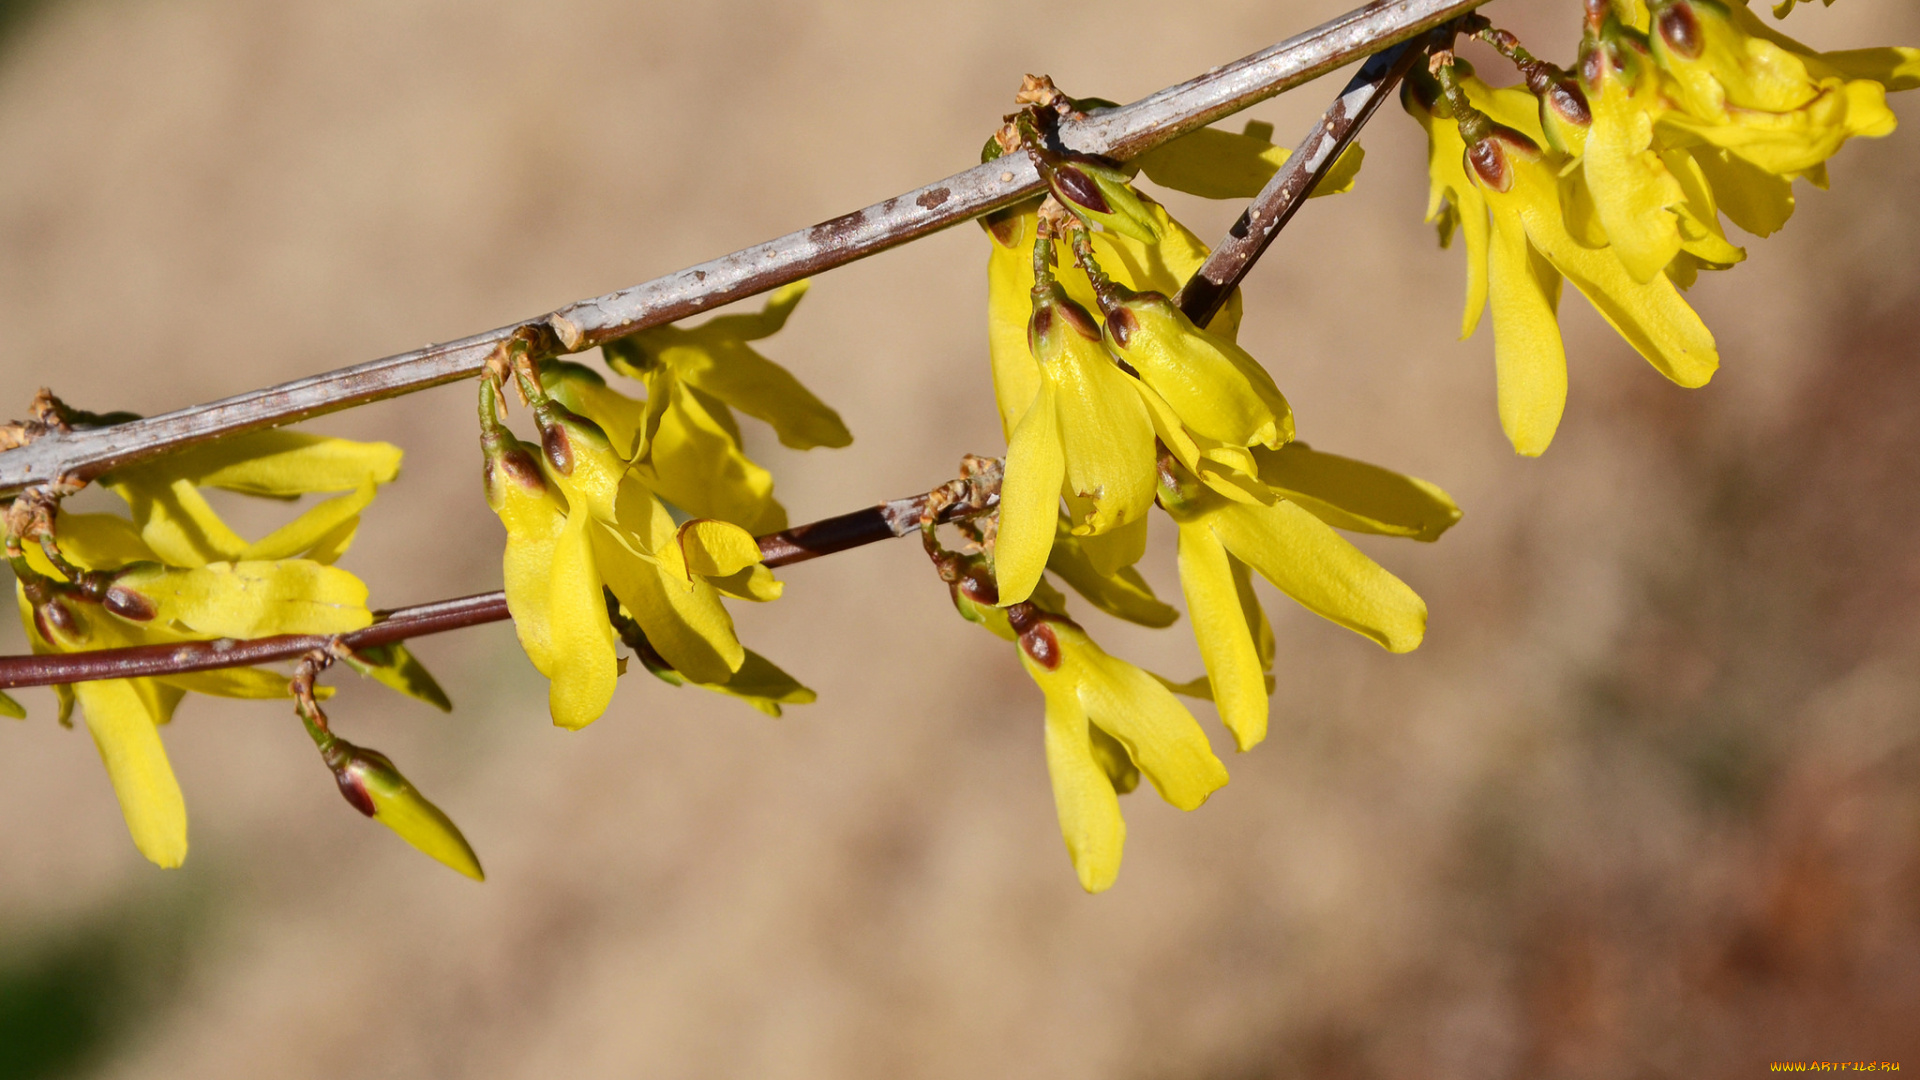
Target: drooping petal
(1651, 315)
(1123, 594)
(1161, 737)
(91, 542)
(766, 322)
(1632, 188)
(1029, 499)
(1304, 558)
(123, 731)
(1220, 629)
(716, 549)
(1752, 198)
(1356, 496)
(395, 667)
(764, 390)
(1106, 437)
(694, 461)
(1216, 164)
(1083, 795)
(681, 613)
(582, 654)
(1530, 360)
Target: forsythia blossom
(1614, 176)
(175, 572)
(1115, 401)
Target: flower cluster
(1115, 402)
(631, 519)
(171, 570)
(1614, 176)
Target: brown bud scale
(1680, 29)
(354, 791)
(1080, 189)
(130, 605)
(1489, 161)
(558, 448)
(1039, 643)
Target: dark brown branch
(798, 544)
(1122, 133)
(1204, 293)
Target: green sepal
(397, 668)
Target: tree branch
(1207, 290)
(798, 544)
(1200, 298)
(1121, 133)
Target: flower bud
(580, 458)
(1212, 384)
(1097, 191)
(369, 781)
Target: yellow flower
(1779, 108)
(580, 524)
(686, 443)
(1216, 164)
(175, 572)
(1290, 545)
(1107, 723)
(1507, 179)
(1086, 430)
(1159, 267)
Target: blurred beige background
(1647, 804)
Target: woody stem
(1121, 133)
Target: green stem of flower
(1474, 124)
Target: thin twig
(798, 544)
(1207, 290)
(1120, 133)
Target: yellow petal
(1107, 438)
(1123, 594)
(581, 636)
(1304, 558)
(1161, 737)
(1632, 188)
(1216, 164)
(124, 733)
(759, 683)
(395, 667)
(695, 462)
(766, 322)
(94, 542)
(1220, 629)
(1529, 359)
(176, 523)
(1356, 496)
(276, 463)
(1111, 552)
(764, 390)
(716, 549)
(1651, 315)
(253, 599)
(1752, 198)
(1029, 499)
(1083, 796)
(682, 617)
(323, 530)
(256, 684)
